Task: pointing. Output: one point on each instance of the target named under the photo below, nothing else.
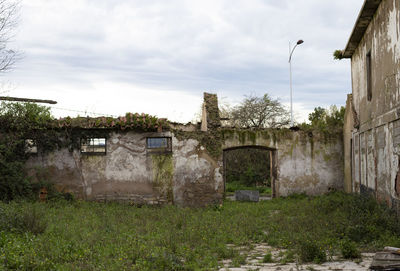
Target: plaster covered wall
(192, 172)
(382, 39)
(303, 162)
(375, 139)
(129, 173)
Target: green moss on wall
(227, 134)
(327, 157)
(311, 139)
(211, 141)
(163, 173)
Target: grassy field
(108, 236)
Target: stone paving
(255, 258)
(232, 198)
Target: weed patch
(268, 258)
(349, 250)
(62, 235)
(310, 251)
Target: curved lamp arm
(291, 53)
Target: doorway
(250, 168)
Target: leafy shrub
(349, 250)
(310, 251)
(268, 258)
(17, 218)
(19, 121)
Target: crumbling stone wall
(192, 174)
(303, 162)
(126, 172)
(188, 176)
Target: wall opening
(369, 76)
(250, 168)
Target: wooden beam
(26, 100)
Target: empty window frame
(369, 76)
(93, 145)
(30, 146)
(158, 144)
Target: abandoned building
(162, 162)
(372, 120)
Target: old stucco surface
(126, 172)
(192, 173)
(303, 162)
(375, 149)
(188, 176)
(194, 169)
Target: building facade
(372, 121)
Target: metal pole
(291, 88)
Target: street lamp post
(291, 88)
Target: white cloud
(180, 48)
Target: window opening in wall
(369, 77)
(93, 145)
(158, 144)
(30, 146)
(397, 180)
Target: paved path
(255, 257)
(232, 198)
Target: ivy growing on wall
(26, 121)
(18, 122)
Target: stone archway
(272, 164)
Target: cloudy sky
(158, 57)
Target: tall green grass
(111, 236)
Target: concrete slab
(247, 195)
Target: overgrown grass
(99, 236)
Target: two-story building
(372, 120)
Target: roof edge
(365, 17)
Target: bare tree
(8, 20)
(259, 112)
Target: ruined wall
(125, 172)
(191, 173)
(128, 172)
(303, 162)
(198, 177)
(375, 141)
(347, 144)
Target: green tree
(259, 112)
(326, 120)
(19, 122)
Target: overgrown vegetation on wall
(18, 122)
(22, 123)
(144, 122)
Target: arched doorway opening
(250, 167)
